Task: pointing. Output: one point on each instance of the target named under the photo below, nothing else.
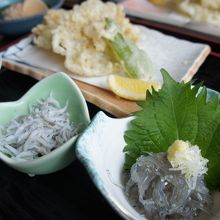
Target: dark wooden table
(70, 193)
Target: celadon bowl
(63, 89)
(100, 149)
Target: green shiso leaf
(177, 111)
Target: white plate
(100, 149)
(180, 58)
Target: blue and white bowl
(100, 149)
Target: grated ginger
(187, 158)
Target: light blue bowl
(24, 25)
(63, 89)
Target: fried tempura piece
(77, 35)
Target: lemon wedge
(131, 89)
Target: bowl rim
(54, 152)
(88, 164)
(62, 75)
(17, 20)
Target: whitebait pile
(161, 193)
(28, 137)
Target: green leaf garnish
(176, 112)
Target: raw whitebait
(161, 193)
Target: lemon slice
(131, 89)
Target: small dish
(62, 89)
(24, 25)
(100, 149)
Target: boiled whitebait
(27, 137)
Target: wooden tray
(102, 98)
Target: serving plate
(180, 57)
(145, 10)
(100, 149)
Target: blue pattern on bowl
(84, 151)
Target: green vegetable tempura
(135, 61)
